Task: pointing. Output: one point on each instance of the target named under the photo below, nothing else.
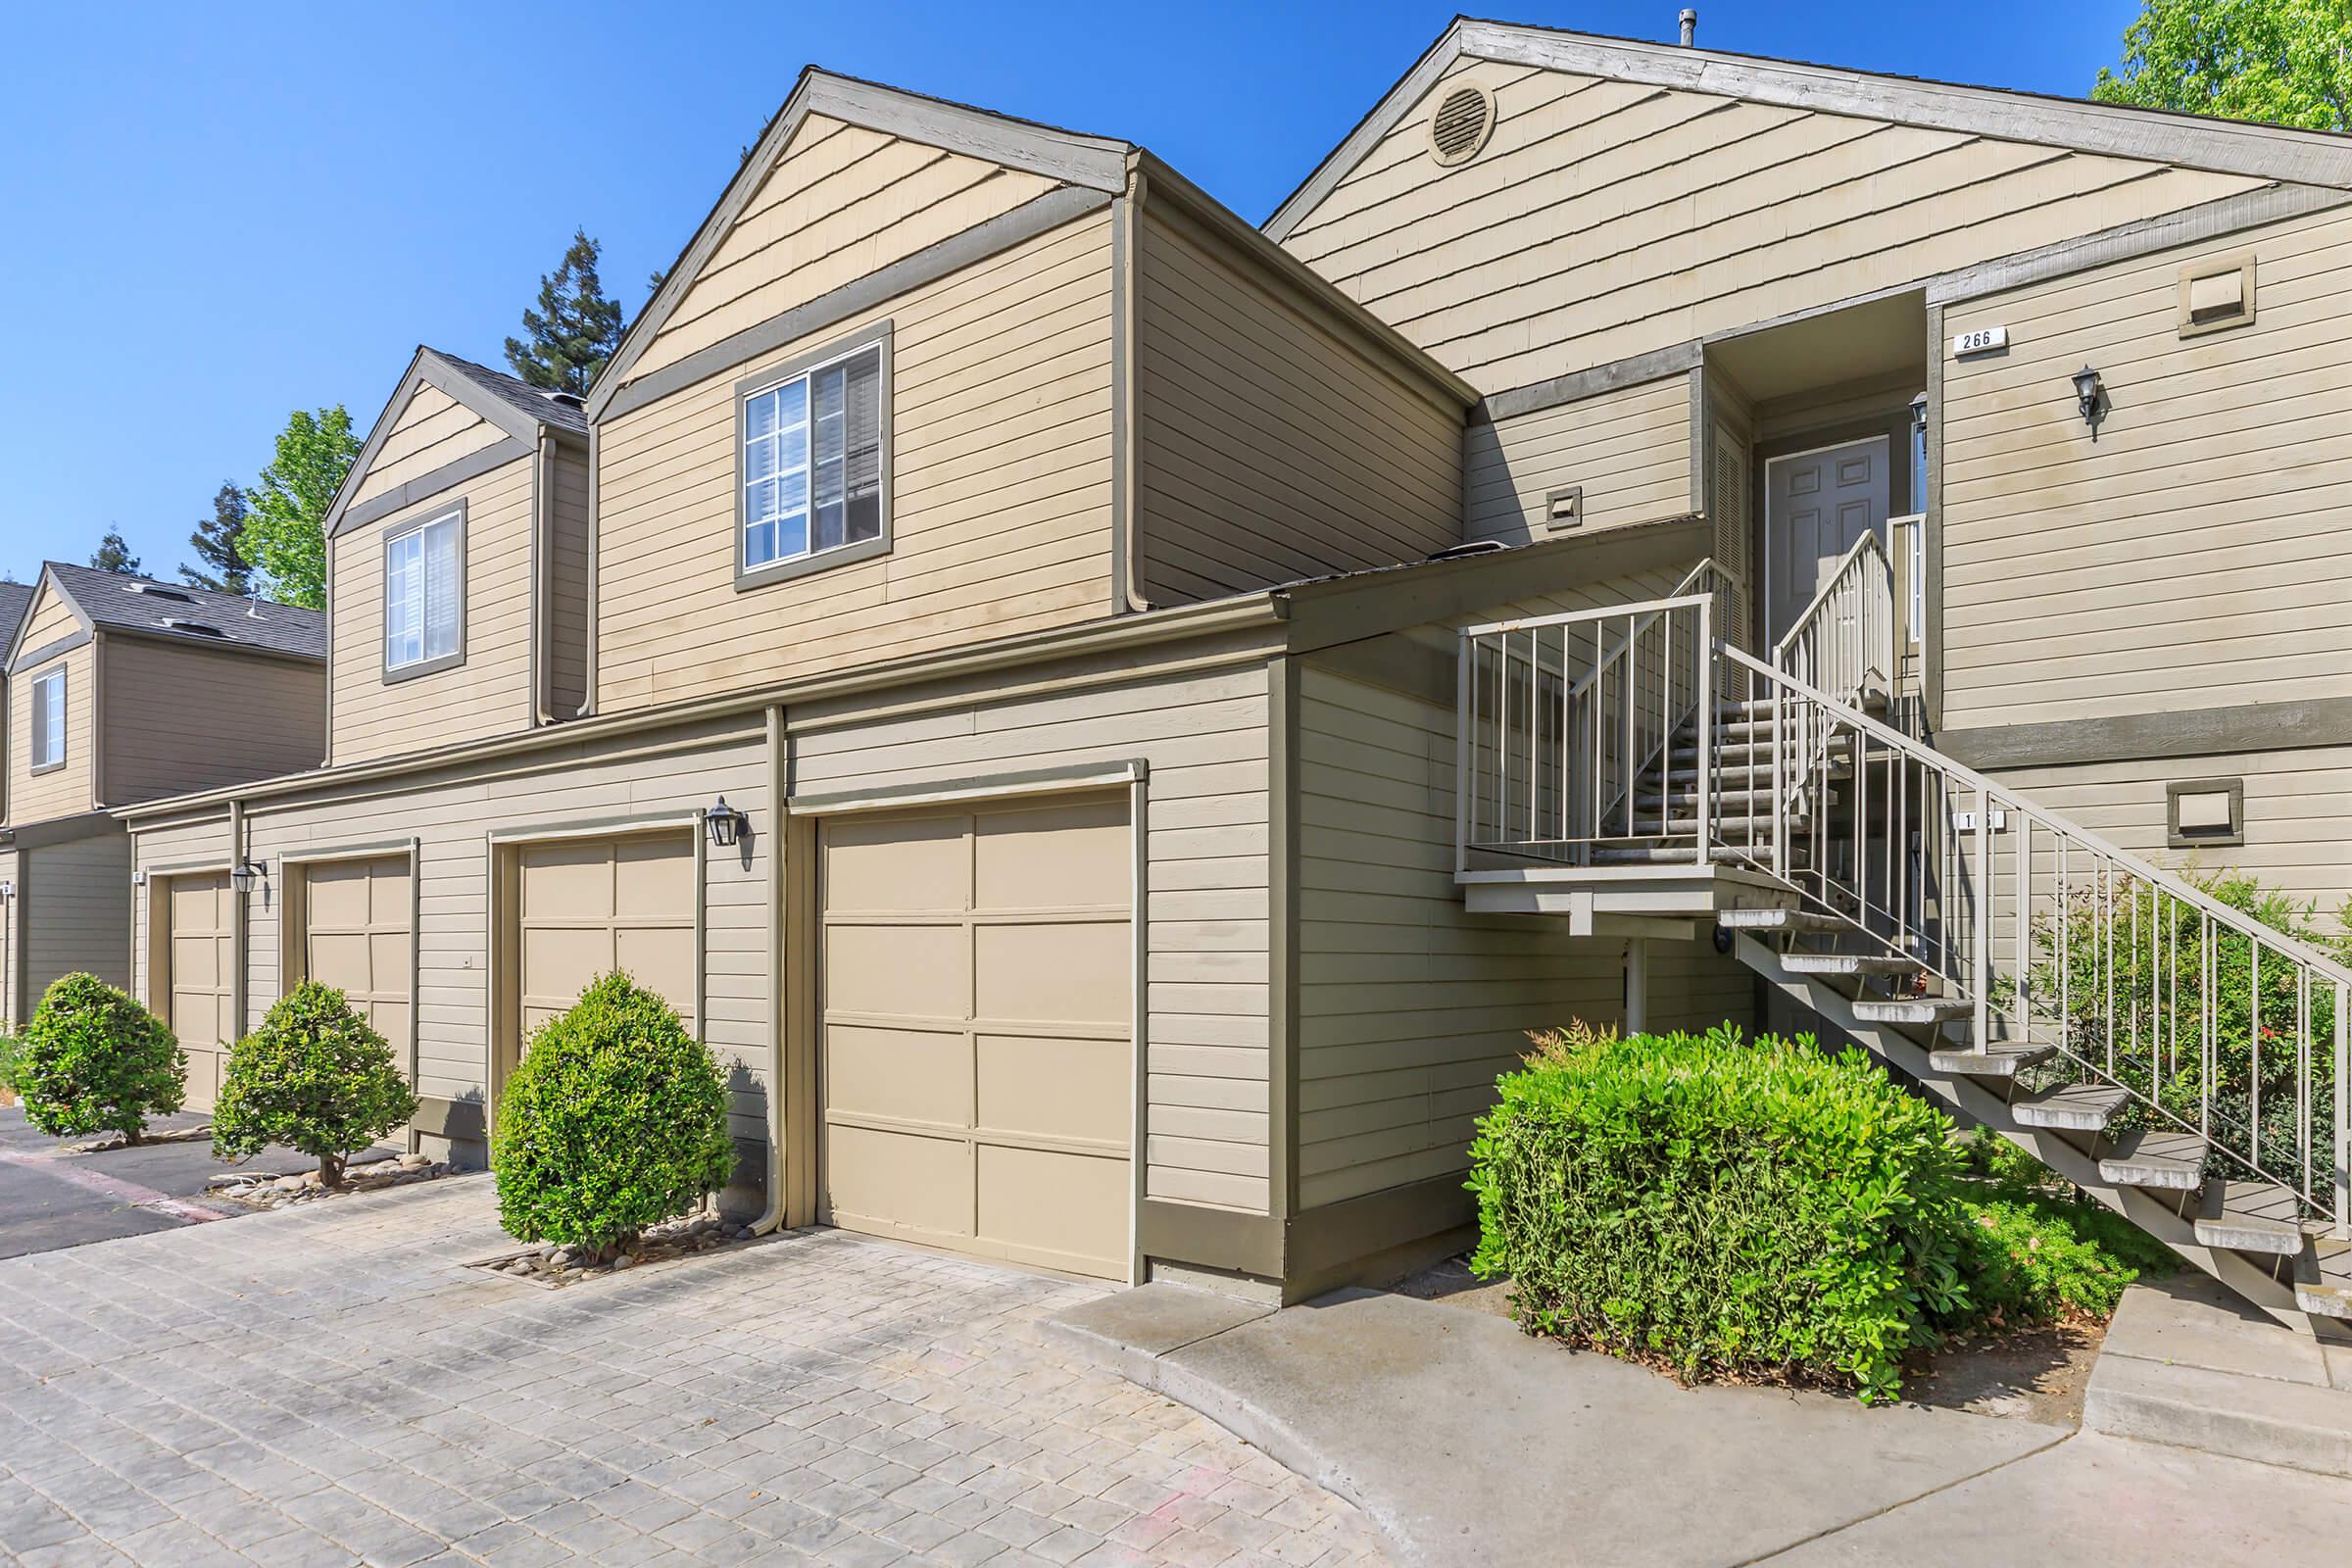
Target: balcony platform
(1671, 901)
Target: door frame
(153, 890)
(807, 813)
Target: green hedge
(616, 1120)
(1722, 1206)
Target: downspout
(543, 474)
(1126, 231)
(779, 1012)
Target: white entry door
(1817, 505)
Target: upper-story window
(49, 720)
(813, 456)
(424, 596)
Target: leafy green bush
(1722, 1206)
(12, 1063)
(2036, 1253)
(95, 1060)
(316, 1077)
(616, 1120)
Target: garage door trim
(985, 788)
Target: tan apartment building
(118, 690)
(992, 647)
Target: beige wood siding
(1268, 448)
(1000, 480)
(489, 693)
(1630, 449)
(840, 202)
(567, 609)
(63, 791)
(452, 812)
(1607, 218)
(77, 913)
(180, 718)
(977, 1046)
(432, 432)
(2192, 554)
(1207, 903)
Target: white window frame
(425, 663)
(874, 340)
(49, 730)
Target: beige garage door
(591, 906)
(977, 1053)
(355, 939)
(201, 966)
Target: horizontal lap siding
(432, 433)
(2190, 555)
(77, 917)
(452, 814)
(489, 693)
(1267, 448)
(1206, 906)
(1630, 449)
(62, 791)
(1001, 483)
(1605, 218)
(163, 736)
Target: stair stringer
(2175, 1229)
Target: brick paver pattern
(326, 1385)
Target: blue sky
(212, 215)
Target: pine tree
(218, 546)
(286, 533)
(114, 555)
(575, 329)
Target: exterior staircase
(2169, 1054)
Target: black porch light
(725, 824)
(243, 875)
(2087, 392)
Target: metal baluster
(1981, 936)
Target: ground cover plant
(316, 1077)
(2036, 1251)
(95, 1060)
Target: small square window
(813, 461)
(2205, 811)
(2216, 295)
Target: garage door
(202, 967)
(977, 1053)
(591, 906)
(355, 939)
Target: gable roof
(519, 408)
(16, 598)
(2191, 141)
(113, 600)
(1092, 163)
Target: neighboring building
(1061, 584)
(120, 690)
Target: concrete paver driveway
(324, 1385)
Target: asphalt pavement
(51, 1199)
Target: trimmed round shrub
(316, 1077)
(95, 1060)
(616, 1120)
(1720, 1206)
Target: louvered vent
(1460, 128)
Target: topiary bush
(1722, 1206)
(616, 1120)
(316, 1077)
(95, 1060)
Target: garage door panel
(388, 957)
(1060, 857)
(917, 971)
(651, 879)
(560, 961)
(391, 1020)
(567, 880)
(907, 1182)
(342, 960)
(898, 864)
(195, 902)
(1044, 1201)
(911, 1074)
(588, 906)
(194, 962)
(1075, 972)
(389, 900)
(660, 959)
(1054, 1087)
(338, 894)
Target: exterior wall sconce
(1919, 415)
(2090, 396)
(244, 874)
(725, 824)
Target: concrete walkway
(326, 1385)
(1470, 1445)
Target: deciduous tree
(286, 532)
(2287, 62)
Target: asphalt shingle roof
(123, 603)
(561, 413)
(15, 599)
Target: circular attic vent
(1460, 126)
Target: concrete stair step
(2324, 1280)
(1847, 963)
(2072, 1108)
(1779, 921)
(2164, 1161)
(1911, 1010)
(2002, 1061)
(2247, 1216)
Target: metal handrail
(1688, 586)
(1853, 583)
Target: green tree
(2287, 62)
(317, 1077)
(114, 555)
(286, 532)
(218, 541)
(575, 329)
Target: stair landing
(1625, 899)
